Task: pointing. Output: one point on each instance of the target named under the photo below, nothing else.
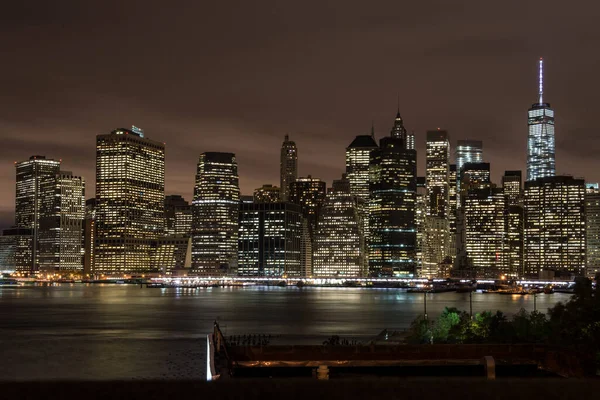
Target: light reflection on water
(78, 331)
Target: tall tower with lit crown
(540, 140)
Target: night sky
(238, 75)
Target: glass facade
(270, 240)
(540, 140)
(130, 195)
(35, 202)
(339, 241)
(392, 226)
(555, 232)
(215, 215)
(288, 167)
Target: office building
(513, 247)
(33, 202)
(215, 211)
(512, 187)
(178, 216)
(130, 196)
(468, 151)
(309, 193)
(339, 242)
(61, 226)
(267, 194)
(474, 176)
(592, 231)
(554, 226)
(420, 214)
(11, 241)
(435, 244)
(172, 254)
(89, 236)
(357, 164)
(392, 226)
(288, 167)
(540, 140)
(437, 172)
(484, 231)
(270, 240)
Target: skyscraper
(554, 226)
(309, 193)
(267, 194)
(339, 241)
(130, 195)
(89, 236)
(61, 226)
(357, 164)
(178, 216)
(592, 225)
(34, 202)
(215, 215)
(288, 166)
(513, 188)
(514, 216)
(270, 240)
(468, 151)
(540, 140)
(484, 231)
(437, 172)
(420, 214)
(392, 226)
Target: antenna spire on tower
(541, 93)
(373, 129)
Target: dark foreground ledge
(302, 389)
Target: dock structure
(321, 362)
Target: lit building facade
(267, 194)
(178, 216)
(540, 140)
(172, 254)
(61, 226)
(555, 232)
(288, 167)
(484, 231)
(437, 172)
(357, 165)
(215, 215)
(339, 242)
(270, 240)
(420, 214)
(514, 217)
(392, 202)
(10, 242)
(468, 151)
(34, 201)
(130, 195)
(309, 193)
(592, 225)
(89, 236)
(513, 187)
(435, 244)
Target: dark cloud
(237, 76)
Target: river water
(79, 331)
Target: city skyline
(473, 86)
